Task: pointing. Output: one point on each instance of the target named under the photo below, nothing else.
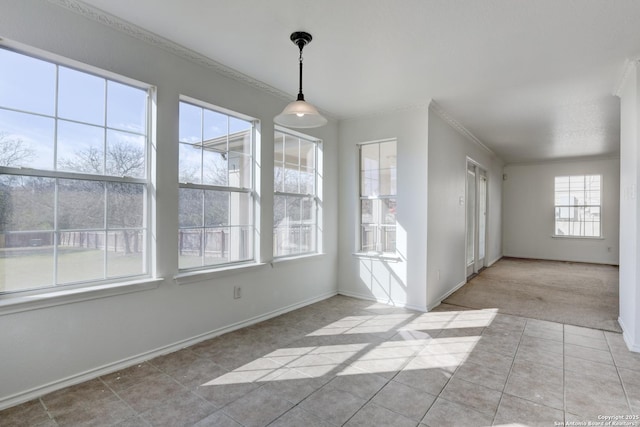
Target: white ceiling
(531, 79)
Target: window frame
(577, 206)
(250, 191)
(316, 197)
(379, 226)
(57, 293)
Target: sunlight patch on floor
(412, 344)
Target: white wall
(50, 347)
(528, 196)
(402, 281)
(448, 153)
(630, 209)
(432, 158)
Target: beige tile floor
(350, 362)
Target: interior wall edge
(446, 295)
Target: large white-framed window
(74, 174)
(578, 206)
(216, 180)
(377, 162)
(296, 203)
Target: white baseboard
(38, 391)
(370, 297)
(446, 295)
(627, 339)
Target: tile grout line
(137, 414)
(624, 388)
(564, 376)
(513, 361)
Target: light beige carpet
(567, 292)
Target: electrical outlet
(237, 292)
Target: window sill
(15, 304)
(277, 262)
(204, 275)
(578, 237)
(375, 255)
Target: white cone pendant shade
(299, 113)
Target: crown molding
(423, 105)
(629, 65)
(563, 160)
(167, 45)
(436, 108)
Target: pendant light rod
(300, 94)
(301, 39)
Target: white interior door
(476, 214)
(471, 218)
(481, 181)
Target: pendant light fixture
(299, 113)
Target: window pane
(369, 157)
(388, 243)
(370, 183)
(240, 243)
(26, 203)
(278, 176)
(26, 140)
(387, 182)
(190, 207)
(562, 198)
(239, 170)
(190, 163)
(125, 205)
(215, 168)
(216, 245)
(81, 96)
(27, 83)
(216, 127)
(388, 214)
(80, 257)
(125, 154)
(562, 227)
(291, 179)
(388, 155)
(279, 210)
(190, 128)
(26, 260)
(240, 209)
(126, 107)
(80, 204)
(80, 148)
(368, 238)
(240, 136)
(307, 167)
(216, 208)
(190, 248)
(124, 253)
(366, 209)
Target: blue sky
(85, 105)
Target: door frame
(479, 171)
